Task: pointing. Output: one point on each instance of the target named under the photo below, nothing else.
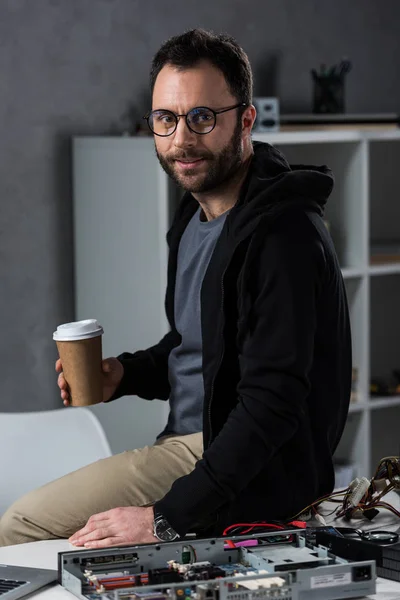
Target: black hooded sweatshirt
(276, 353)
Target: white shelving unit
(123, 204)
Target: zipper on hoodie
(220, 357)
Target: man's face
(198, 163)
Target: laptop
(17, 582)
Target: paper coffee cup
(80, 349)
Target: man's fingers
(64, 391)
(81, 533)
(111, 541)
(103, 516)
(62, 384)
(98, 533)
(93, 522)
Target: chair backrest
(38, 447)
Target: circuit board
(284, 567)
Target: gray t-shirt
(185, 361)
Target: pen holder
(328, 94)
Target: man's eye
(164, 118)
(201, 117)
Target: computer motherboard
(265, 566)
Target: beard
(221, 166)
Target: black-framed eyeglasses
(200, 120)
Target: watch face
(164, 531)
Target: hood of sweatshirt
(273, 186)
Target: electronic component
(270, 569)
(165, 575)
(110, 561)
(363, 497)
(204, 573)
(148, 596)
(256, 584)
(359, 491)
(381, 546)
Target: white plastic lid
(78, 330)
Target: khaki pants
(132, 478)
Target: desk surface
(44, 555)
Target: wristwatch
(163, 530)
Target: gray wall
(76, 66)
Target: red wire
(252, 526)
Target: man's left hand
(116, 527)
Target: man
(258, 358)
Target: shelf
(385, 269)
(374, 403)
(352, 272)
(308, 137)
(383, 402)
(357, 406)
(319, 137)
(382, 136)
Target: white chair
(37, 447)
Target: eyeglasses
(199, 120)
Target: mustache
(187, 157)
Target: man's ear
(248, 118)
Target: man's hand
(113, 371)
(116, 527)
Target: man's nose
(183, 137)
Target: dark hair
(186, 50)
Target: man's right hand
(113, 372)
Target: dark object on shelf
(267, 114)
(396, 375)
(383, 259)
(385, 252)
(329, 89)
(379, 387)
(382, 387)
